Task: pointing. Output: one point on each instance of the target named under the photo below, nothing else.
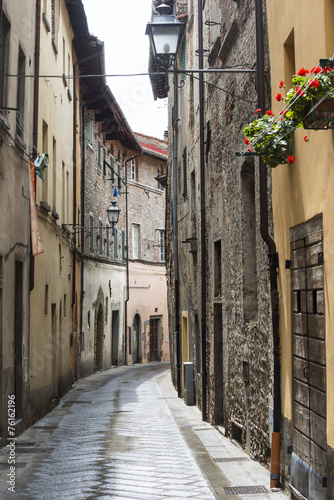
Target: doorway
(136, 338)
(154, 329)
(114, 337)
(99, 337)
(218, 363)
(54, 351)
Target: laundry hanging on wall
(41, 163)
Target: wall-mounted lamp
(113, 212)
(165, 32)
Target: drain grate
(239, 490)
(231, 459)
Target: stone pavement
(124, 434)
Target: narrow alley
(124, 433)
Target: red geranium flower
(278, 97)
(281, 84)
(302, 72)
(314, 83)
(291, 159)
(257, 111)
(249, 150)
(270, 113)
(316, 70)
(299, 91)
(246, 140)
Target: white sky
(121, 25)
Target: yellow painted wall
(54, 267)
(305, 188)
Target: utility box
(189, 387)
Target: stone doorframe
(99, 331)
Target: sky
(121, 25)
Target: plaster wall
(147, 297)
(304, 189)
(50, 299)
(105, 283)
(15, 210)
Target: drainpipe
(127, 259)
(176, 238)
(35, 117)
(74, 179)
(203, 202)
(273, 260)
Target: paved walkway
(124, 434)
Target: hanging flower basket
(309, 104)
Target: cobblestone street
(124, 434)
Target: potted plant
(309, 104)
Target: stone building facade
(16, 124)
(231, 347)
(148, 338)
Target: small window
(135, 241)
(133, 170)
(100, 238)
(4, 58)
(91, 233)
(162, 246)
(90, 130)
(88, 320)
(115, 244)
(119, 175)
(107, 241)
(123, 246)
(112, 170)
(99, 153)
(46, 299)
(104, 162)
(20, 94)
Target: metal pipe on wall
(273, 258)
(175, 236)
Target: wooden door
(154, 339)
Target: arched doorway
(98, 340)
(136, 338)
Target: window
(91, 232)
(133, 170)
(119, 175)
(183, 62)
(45, 146)
(158, 174)
(184, 165)
(108, 240)
(135, 241)
(90, 130)
(112, 171)
(162, 247)
(100, 238)
(115, 244)
(99, 153)
(4, 56)
(104, 162)
(20, 94)
(123, 246)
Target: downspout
(82, 223)
(35, 117)
(74, 179)
(203, 208)
(127, 259)
(176, 237)
(273, 260)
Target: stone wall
(238, 322)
